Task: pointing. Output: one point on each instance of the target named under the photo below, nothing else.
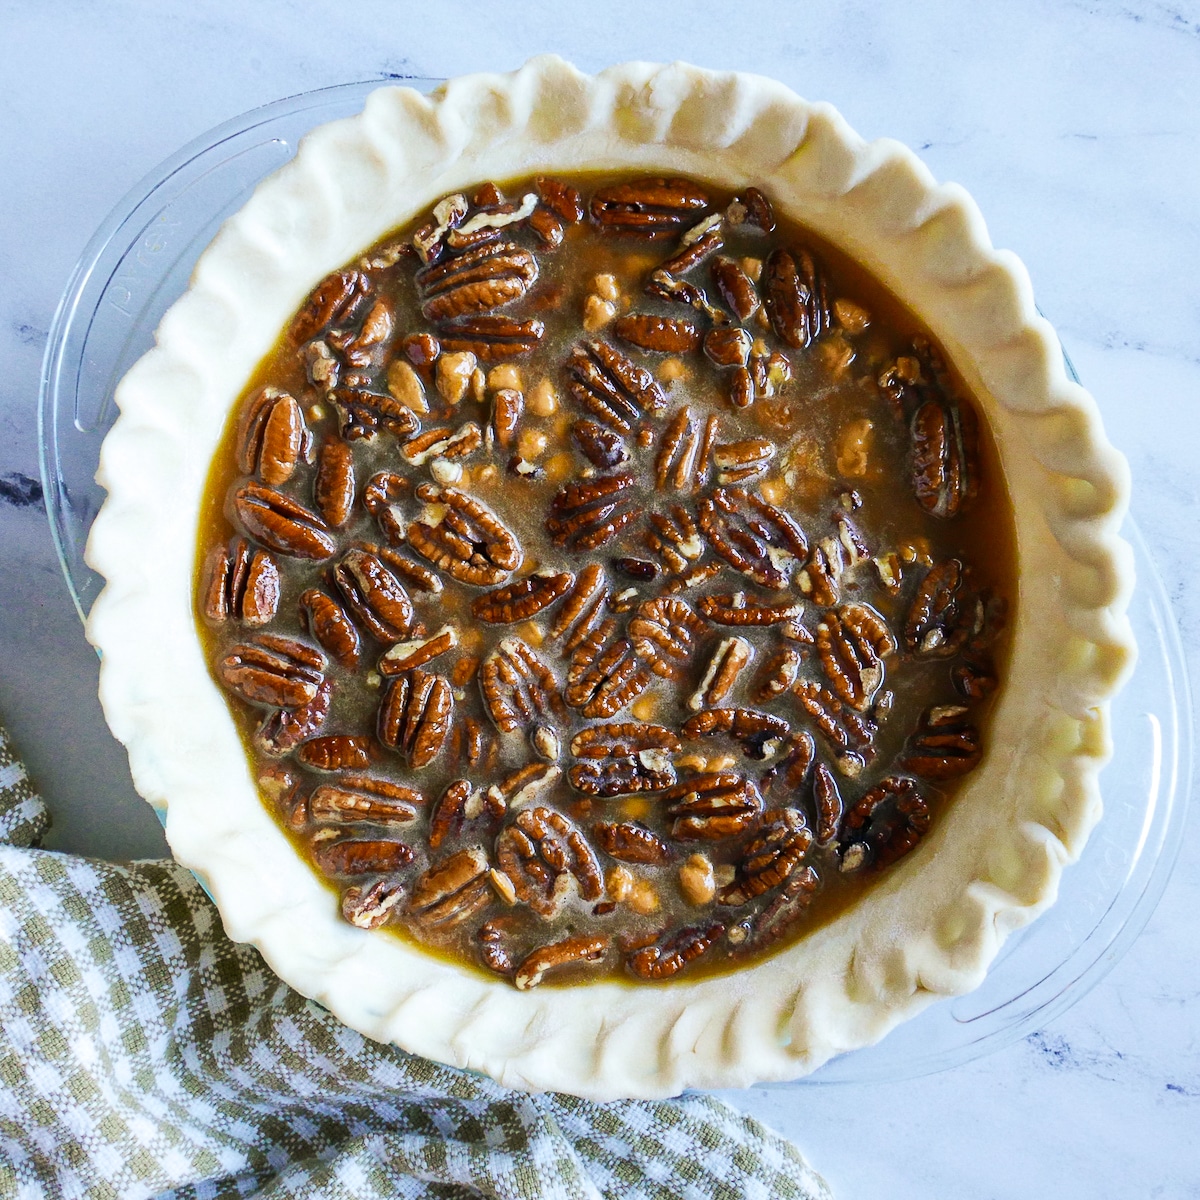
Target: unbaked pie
(656, 595)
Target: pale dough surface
(933, 926)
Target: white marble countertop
(1076, 125)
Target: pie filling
(608, 577)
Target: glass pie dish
(137, 265)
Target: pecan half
(604, 675)
(282, 731)
(667, 958)
(665, 335)
(795, 296)
(361, 856)
(591, 512)
(272, 436)
(627, 841)
(745, 459)
(492, 338)
(794, 766)
(523, 786)
(405, 656)
(728, 661)
(611, 386)
(582, 608)
(785, 908)
(945, 746)
(459, 805)
(622, 776)
(373, 906)
(752, 536)
(751, 209)
(327, 621)
(336, 752)
(517, 687)
(737, 290)
(476, 281)
(520, 600)
(775, 853)
(363, 798)
(683, 457)
(335, 300)
(624, 739)
(463, 537)
(852, 643)
(827, 798)
(453, 890)
(374, 596)
(713, 806)
(885, 824)
(442, 443)
(945, 467)
(273, 670)
(662, 283)
(728, 347)
(281, 523)
(675, 537)
(381, 499)
(561, 199)
(664, 634)
(943, 611)
(546, 857)
(415, 716)
(734, 608)
(333, 487)
(777, 674)
(758, 733)
(650, 207)
(365, 414)
(849, 733)
(557, 956)
(601, 447)
(242, 584)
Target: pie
(609, 582)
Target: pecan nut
(734, 608)
(404, 656)
(946, 745)
(945, 466)
(361, 856)
(591, 512)
(523, 599)
(885, 824)
(796, 297)
(327, 621)
(463, 537)
(758, 733)
(363, 798)
(612, 387)
(664, 335)
(459, 805)
(334, 301)
(547, 858)
(624, 739)
(335, 752)
(850, 733)
(374, 596)
(273, 670)
(728, 661)
(664, 634)
(752, 536)
(373, 906)
(281, 523)
(650, 207)
(604, 675)
(517, 687)
(282, 731)
(665, 959)
(622, 776)
(477, 281)
(365, 414)
(557, 956)
(627, 841)
(415, 716)
(737, 290)
(491, 338)
(453, 890)
(776, 852)
(601, 447)
(713, 806)
(333, 488)
(242, 584)
(852, 643)
(943, 612)
(272, 436)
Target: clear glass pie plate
(139, 262)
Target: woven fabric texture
(144, 1054)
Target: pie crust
(927, 930)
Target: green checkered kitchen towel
(142, 1053)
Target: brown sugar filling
(608, 578)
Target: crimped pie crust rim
(933, 926)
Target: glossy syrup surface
(769, 553)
